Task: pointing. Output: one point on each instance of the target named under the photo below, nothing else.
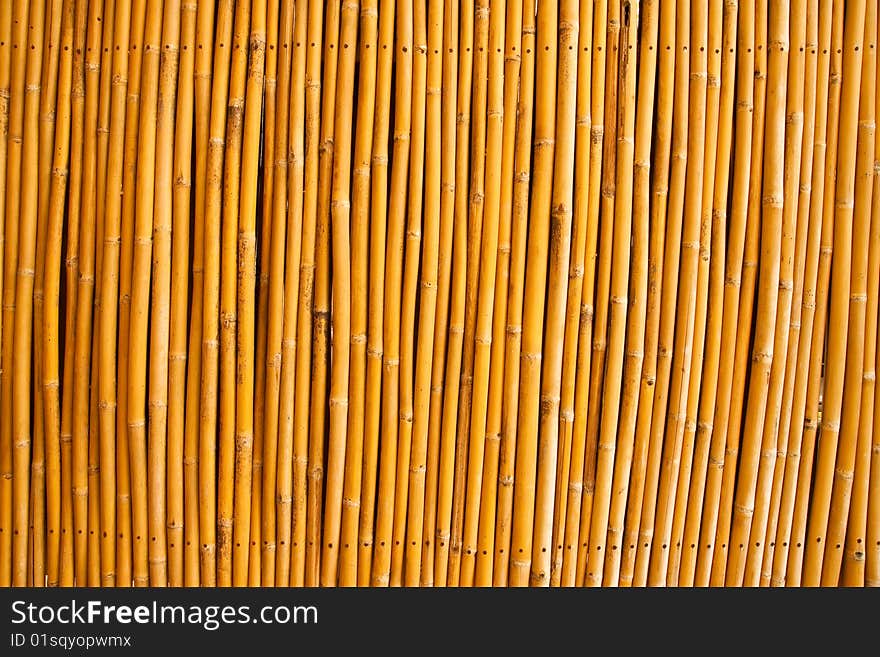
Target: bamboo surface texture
(426, 293)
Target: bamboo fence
(426, 293)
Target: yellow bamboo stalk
(448, 138)
(416, 469)
(842, 487)
(360, 262)
(180, 247)
(211, 295)
(279, 465)
(528, 444)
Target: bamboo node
(25, 273)
(456, 329)
(869, 376)
(190, 460)
(825, 250)
(860, 297)
(503, 480)
(619, 300)
(341, 402)
(786, 284)
(49, 384)
(532, 357)
(832, 426)
(106, 405)
(846, 475)
(94, 470)
(811, 424)
(705, 425)
(374, 352)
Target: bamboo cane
(375, 328)
(304, 307)
(321, 304)
(853, 568)
(603, 151)
(638, 291)
(381, 559)
(841, 268)
(124, 555)
(513, 336)
(226, 437)
(109, 290)
(452, 447)
(282, 461)
(180, 247)
(528, 443)
(428, 294)
(448, 138)
(794, 565)
(13, 143)
(247, 238)
(211, 294)
(360, 261)
(340, 217)
(841, 492)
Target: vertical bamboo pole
(247, 275)
(448, 137)
(180, 249)
(527, 457)
(416, 469)
(360, 261)
(211, 297)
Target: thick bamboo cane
(416, 469)
(321, 305)
(637, 291)
(77, 112)
(110, 290)
(842, 487)
(360, 261)
(180, 249)
(340, 218)
(160, 310)
(307, 276)
(277, 309)
(139, 449)
(643, 451)
(211, 297)
(802, 66)
(816, 150)
(485, 295)
(13, 142)
(452, 444)
(747, 290)
(409, 290)
(247, 275)
(515, 291)
(853, 568)
(527, 456)
(663, 462)
(264, 241)
(52, 283)
(603, 151)
(622, 245)
(279, 466)
(839, 299)
(124, 554)
(794, 565)
(381, 560)
(776, 227)
(376, 289)
(228, 292)
(444, 264)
